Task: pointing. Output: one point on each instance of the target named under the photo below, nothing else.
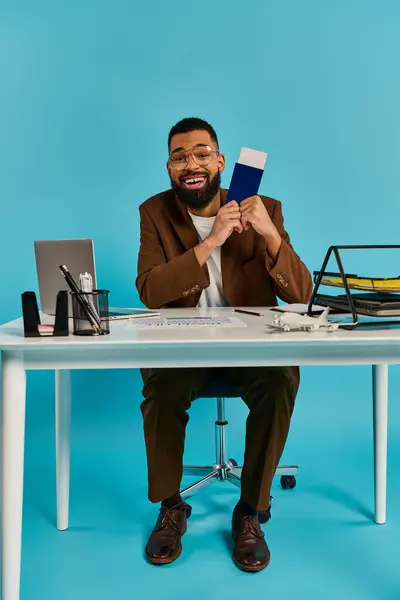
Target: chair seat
(217, 388)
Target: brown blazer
(169, 274)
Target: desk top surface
(256, 331)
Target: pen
(247, 312)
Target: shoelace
(251, 525)
(168, 520)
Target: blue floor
(324, 543)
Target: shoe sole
(248, 568)
(164, 561)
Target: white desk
(130, 348)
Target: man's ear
(221, 163)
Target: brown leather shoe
(164, 545)
(250, 551)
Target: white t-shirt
(213, 295)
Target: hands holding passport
(231, 217)
(240, 217)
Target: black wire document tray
(374, 297)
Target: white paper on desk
(298, 308)
(183, 323)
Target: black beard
(198, 199)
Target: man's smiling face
(195, 166)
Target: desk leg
(13, 439)
(380, 401)
(63, 433)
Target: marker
(86, 284)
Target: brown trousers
(269, 393)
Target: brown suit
(169, 275)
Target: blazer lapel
(183, 224)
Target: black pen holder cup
(90, 312)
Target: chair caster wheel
(264, 515)
(233, 462)
(288, 482)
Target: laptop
(78, 256)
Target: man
(197, 250)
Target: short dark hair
(192, 124)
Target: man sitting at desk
(197, 250)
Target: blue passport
(247, 175)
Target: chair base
(230, 472)
(226, 469)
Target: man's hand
(254, 214)
(228, 219)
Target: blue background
(88, 92)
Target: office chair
(227, 469)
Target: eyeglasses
(202, 156)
